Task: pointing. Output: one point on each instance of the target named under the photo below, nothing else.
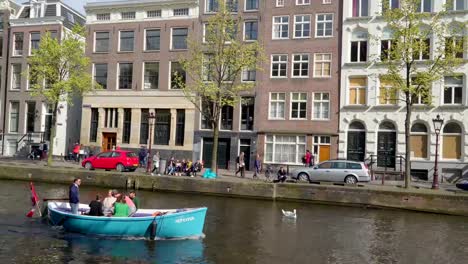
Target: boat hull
(185, 224)
(463, 186)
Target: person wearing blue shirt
(74, 196)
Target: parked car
(119, 160)
(347, 171)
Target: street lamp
(437, 126)
(151, 119)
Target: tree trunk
(214, 159)
(52, 135)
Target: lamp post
(437, 126)
(151, 119)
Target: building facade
(134, 48)
(237, 131)
(371, 123)
(297, 94)
(27, 120)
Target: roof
(118, 3)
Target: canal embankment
(423, 200)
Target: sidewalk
(224, 174)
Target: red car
(120, 160)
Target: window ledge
(323, 37)
(356, 107)
(321, 120)
(177, 50)
(355, 64)
(452, 106)
(151, 51)
(361, 18)
(100, 52)
(251, 11)
(422, 106)
(125, 52)
(387, 106)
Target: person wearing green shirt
(121, 209)
(135, 199)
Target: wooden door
(223, 152)
(386, 149)
(324, 153)
(108, 141)
(356, 145)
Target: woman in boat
(121, 209)
(108, 203)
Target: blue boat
(462, 185)
(172, 224)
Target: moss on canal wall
(368, 196)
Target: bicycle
(268, 173)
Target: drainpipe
(7, 75)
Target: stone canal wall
(366, 196)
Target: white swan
(289, 213)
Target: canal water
(238, 231)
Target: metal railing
(373, 160)
(28, 138)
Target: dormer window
(37, 10)
(128, 15)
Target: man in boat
(95, 207)
(74, 195)
(134, 198)
(130, 204)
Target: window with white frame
(420, 96)
(390, 4)
(153, 13)
(181, 12)
(14, 117)
(425, 6)
(387, 46)
(103, 16)
(35, 38)
(16, 76)
(127, 15)
(453, 90)
(358, 47)
(279, 66)
(251, 5)
(423, 49)
(302, 26)
(125, 75)
(179, 38)
(250, 30)
(280, 3)
(101, 42)
(324, 26)
(300, 65)
(277, 103)
(127, 40)
(456, 5)
(100, 74)
(360, 8)
(326, 2)
(321, 148)
(151, 77)
(18, 47)
(298, 105)
(322, 65)
(249, 75)
(232, 5)
(452, 141)
(388, 95)
(357, 90)
(454, 47)
(284, 149)
(280, 27)
(153, 39)
(211, 5)
(321, 106)
(302, 2)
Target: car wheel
(350, 180)
(88, 166)
(120, 167)
(303, 177)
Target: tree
(410, 67)
(58, 72)
(214, 67)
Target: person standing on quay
(241, 164)
(156, 159)
(258, 166)
(74, 195)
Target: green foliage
(214, 66)
(58, 69)
(408, 74)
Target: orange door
(324, 153)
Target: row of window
(30, 117)
(161, 125)
(302, 26)
(247, 115)
(131, 15)
(280, 3)
(301, 65)
(298, 106)
(150, 75)
(250, 31)
(360, 8)
(212, 6)
(358, 89)
(290, 149)
(359, 48)
(34, 40)
(152, 40)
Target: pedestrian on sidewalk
(241, 165)
(76, 152)
(258, 166)
(156, 159)
(307, 158)
(142, 156)
(74, 195)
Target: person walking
(156, 159)
(74, 195)
(307, 158)
(258, 166)
(76, 152)
(142, 156)
(241, 165)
